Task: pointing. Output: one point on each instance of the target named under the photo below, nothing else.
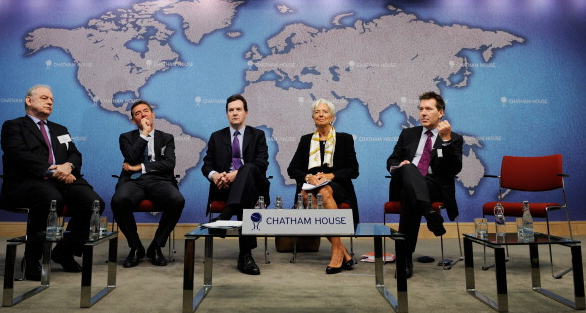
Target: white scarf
(315, 156)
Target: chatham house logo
(256, 218)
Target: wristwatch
(72, 166)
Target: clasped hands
(223, 180)
(62, 172)
(319, 178)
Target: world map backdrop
(511, 72)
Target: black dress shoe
(348, 265)
(435, 223)
(247, 265)
(333, 270)
(67, 262)
(134, 257)
(156, 256)
(31, 268)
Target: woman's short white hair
(330, 105)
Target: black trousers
(78, 196)
(417, 194)
(243, 194)
(164, 195)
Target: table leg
(501, 280)
(191, 301)
(86, 299)
(8, 298)
(400, 304)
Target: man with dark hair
(147, 173)
(424, 164)
(235, 164)
(41, 164)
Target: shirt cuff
(210, 176)
(143, 169)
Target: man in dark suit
(41, 163)
(235, 163)
(424, 164)
(147, 173)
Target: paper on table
(369, 257)
(307, 186)
(223, 224)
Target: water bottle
(310, 201)
(52, 221)
(499, 220)
(279, 203)
(95, 220)
(261, 203)
(527, 223)
(299, 204)
(320, 201)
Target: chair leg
(461, 258)
(171, 244)
(266, 252)
(564, 272)
(294, 258)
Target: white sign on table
(297, 222)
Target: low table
(86, 298)
(510, 239)
(192, 300)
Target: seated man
(424, 164)
(235, 164)
(42, 164)
(147, 173)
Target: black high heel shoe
(333, 270)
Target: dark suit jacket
(132, 147)
(219, 156)
(26, 154)
(444, 168)
(345, 166)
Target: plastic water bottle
(52, 221)
(261, 203)
(95, 220)
(320, 201)
(527, 223)
(499, 220)
(299, 204)
(310, 201)
(279, 203)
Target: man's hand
(220, 180)
(131, 168)
(445, 130)
(61, 171)
(147, 126)
(69, 179)
(394, 168)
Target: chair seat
(394, 207)
(516, 208)
(217, 206)
(146, 206)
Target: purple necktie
(44, 133)
(236, 159)
(423, 164)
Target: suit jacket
(444, 168)
(132, 147)
(219, 156)
(345, 166)
(26, 154)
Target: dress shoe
(67, 262)
(247, 265)
(156, 256)
(333, 270)
(435, 223)
(134, 257)
(348, 265)
(31, 268)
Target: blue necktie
(236, 158)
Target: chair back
(532, 173)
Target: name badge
(297, 222)
(64, 139)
